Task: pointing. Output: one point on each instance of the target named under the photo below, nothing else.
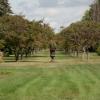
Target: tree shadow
(8, 61)
(38, 56)
(34, 61)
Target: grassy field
(35, 78)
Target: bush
(98, 50)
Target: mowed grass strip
(50, 81)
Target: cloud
(56, 12)
(71, 3)
(64, 3)
(48, 3)
(23, 6)
(52, 12)
(59, 16)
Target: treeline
(20, 36)
(82, 36)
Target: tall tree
(81, 36)
(4, 7)
(87, 16)
(93, 14)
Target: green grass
(35, 78)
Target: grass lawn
(35, 78)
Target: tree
(96, 11)
(81, 36)
(22, 37)
(41, 33)
(15, 34)
(93, 14)
(1, 44)
(5, 8)
(98, 50)
(87, 16)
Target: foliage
(87, 16)
(22, 36)
(81, 35)
(5, 8)
(1, 44)
(93, 13)
(98, 50)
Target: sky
(55, 12)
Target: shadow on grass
(8, 61)
(37, 56)
(31, 59)
(34, 61)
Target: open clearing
(35, 78)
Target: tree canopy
(21, 37)
(5, 8)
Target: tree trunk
(84, 52)
(21, 55)
(87, 53)
(77, 53)
(17, 55)
(22, 52)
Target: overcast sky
(56, 12)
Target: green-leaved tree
(5, 8)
